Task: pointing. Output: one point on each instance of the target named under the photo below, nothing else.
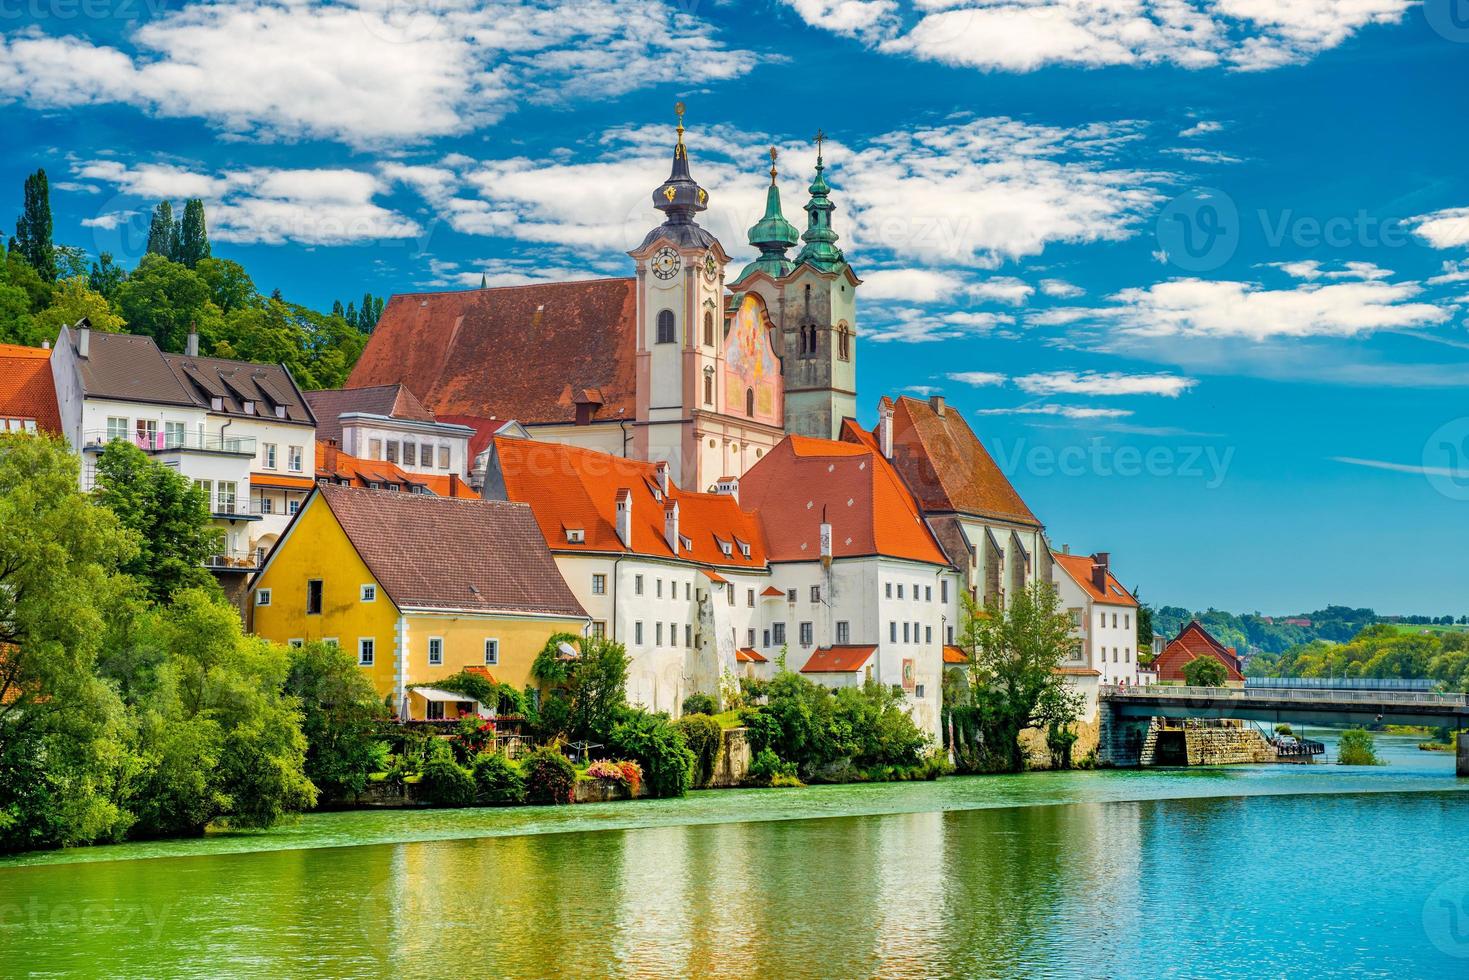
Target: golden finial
(773, 154)
(679, 110)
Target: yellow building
(418, 587)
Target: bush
(549, 777)
(767, 769)
(1357, 749)
(754, 689)
(498, 781)
(446, 783)
(704, 738)
(658, 747)
(700, 703)
(1283, 729)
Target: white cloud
(1064, 411)
(1448, 228)
(1311, 270)
(920, 326)
(1452, 272)
(1202, 128)
(1378, 464)
(108, 219)
(1060, 289)
(1024, 35)
(1099, 383)
(501, 272)
(367, 72)
(979, 379)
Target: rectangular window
(729, 592)
(750, 598)
(637, 633)
(375, 449)
(296, 644)
(435, 651)
(267, 506)
(906, 627)
(599, 584)
(657, 634)
(815, 593)
(637, 585)
(765, 638)
(116, 428)
(918, 691)
(889, 590)
(145, 434)
(262, 597)
(173, 434)
(368, 593)
(434, 711)
(599, 629)
(313, 597)
(778, 633)
(292, 506)
(844, 632)
(1127, 621)
(296, 458)
(928, 634)
(900, 590)
(392, 448)
(225, 497)
(951, 635)
(944, 590)
(267, 455)
(673, 634)
(791, 596)
(750, 637)
(492, 653)
(658, 587)
(366, 651)
(892, 631)
(928, 593)
(410, 454)
(686, 589)
(443, 457)
(688, 635)
(807, 635)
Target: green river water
(1237, 872)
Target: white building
(1104, 615)
(389, 423)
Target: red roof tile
(448, 553)
(948, 468)
(26, 389)
(466, 352)
(771, 592)
(336, 466)
(954, 655)
(1079, 567)
(862, 496)
(1192, 642)
(838, 659)
(745, 655)
(568, 486)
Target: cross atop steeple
(820, 138)
(773, 154)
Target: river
(1233, 872)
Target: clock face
(665, 263)
(711, 268)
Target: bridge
(1124, 712)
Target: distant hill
(1252, 633)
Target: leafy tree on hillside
(1205, 671)
(72, 300)
(33, 227)
(230, 286)
(106, 276)
(163, 299)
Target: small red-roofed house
(1192, 642)
(27, 392)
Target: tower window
(708, 386)
(708, 329)
(750, 402)
(844, 343)
(665, 327)
(808, 297)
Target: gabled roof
(452, 553)
(393, 400)
(746, 655)
(1079, 568)
(864, 500)
(126, 367)
(954, 655)
(838, 659)
(1192, 642)
(27, 392)
(337, 467)
(466, 353)
(946, 466)
(568, 486)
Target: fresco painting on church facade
(750, 364)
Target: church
(678, 363)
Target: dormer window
(216, 404)
(249, 408)
(280, 411)
(727, 548)
(745, 550)
(576, 535)
(687, 544)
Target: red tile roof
(1079, 567)
(467, 352)
(954, 655)
(771, 592)
(745, 655)
(947, 467)
(862, 496)
(568, 486)
(1192, 642)
(838, 659)
(336, 466)
(449, 553)
(26, 389)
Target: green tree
(1011, 682)
(1356, 748)
(169, 513)
(592, 686)
(106, 276)
(230, 286)
(60, 726)
(1205, 671)
(163, 299)
(72, 300)
(192, 244)
(340, 712)
(33, 227)
(657, 745)
(163, 232)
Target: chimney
(729, 486)
(1099, 571)
(825, 544)
(191, 346)
(885, 428)
(624, 516)
(45, 345)
(936, 402)
(1066, 549)
(660, 472)
(84, 337)
(670, 525)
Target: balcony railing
(163, 442)
(243, 561)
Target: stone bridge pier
(1120, 739)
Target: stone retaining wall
(735, 756)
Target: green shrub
(446, 783)
(754, 689)
(1283, 729)
(498, 781)
(704, 738)
(659, 747)
(1357, 749)
(700, 703)
(767, 769)
(549, 777)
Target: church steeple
(680, 198)
(820, 249)
(773, 235)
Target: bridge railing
(1283, 694)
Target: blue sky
(1196, 270)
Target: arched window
(708, 329)
(665, 327)
(844, 343)
(750, 402)
(708, 386)
(808, 297)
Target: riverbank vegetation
(1357, 748)
(1009, 682)
(1378, 651)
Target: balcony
(96, 440)
(236, 561)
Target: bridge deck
(1325, 707)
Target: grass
(1413, 629)
(728, 719)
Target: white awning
(434, 694)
